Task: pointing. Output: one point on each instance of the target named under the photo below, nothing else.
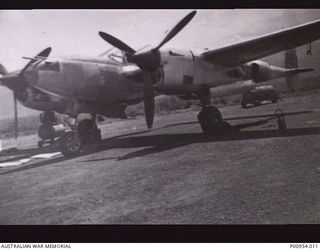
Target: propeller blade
(116, 42)
(148, 98)
(149, 61)
(3, 70)
(176, 29)
(15, 116)
(42, 55)
(45, 53)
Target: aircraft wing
(265, 45)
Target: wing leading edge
(265, 45)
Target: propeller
(149, 61)
(15, 116)
(41, 56)
(4, 81)
(148, 99)
(15, 81)
(116, 42)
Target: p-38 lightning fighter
(76, 85)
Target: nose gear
(50, 130)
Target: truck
(259, 94)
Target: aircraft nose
(13, 81)
(30, 75)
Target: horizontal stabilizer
(298, 71)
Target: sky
(75, 32)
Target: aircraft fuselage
(101, 81)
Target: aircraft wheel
(70, 144)
(210, 119)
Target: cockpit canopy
(49, 66)
(115, 55)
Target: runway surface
(173, 174)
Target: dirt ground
(172, 174)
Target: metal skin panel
(272, 43)
(33, 98)
(108, 83)
(176, 65)
(84, 81)
(98, 82)
(188, 63)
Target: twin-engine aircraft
(105, 86)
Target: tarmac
(173, 174)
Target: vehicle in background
(259, 94)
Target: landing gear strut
(209, 117)
(85, 132)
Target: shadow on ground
(162, 142)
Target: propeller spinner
(149, 62)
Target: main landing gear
(209, 117)
(71, 141)
(84, 132)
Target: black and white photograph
(155, 116)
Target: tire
(205, 127)
(209, 118)
(70, 144)
(225, 126)
(210, 112)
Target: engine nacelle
(259, 71)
